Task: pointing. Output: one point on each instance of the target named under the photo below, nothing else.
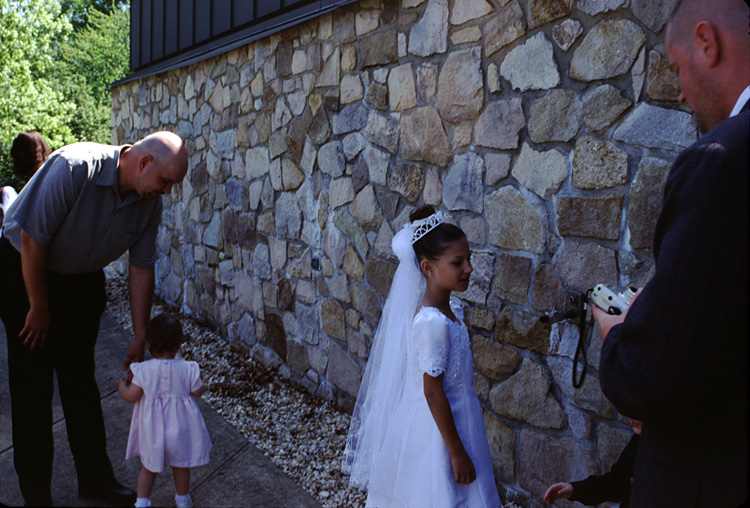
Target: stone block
(602, 106)
(541, 12)
(480, 279)
(582, 265)
(430, 34)
(423, 137)
(407, 178)
(598, 164)
(531, 65)
(494, 360)
(462, 185)
(547, 292)
(502, 444)
(460, 90)
(402, 93)
(383, 131)
(566, 33)
(499, 125)
(662, 83)
(342, 370)
(522, 330)
(555, 117)
(512, 278)
(379, 275)
(482, 318)
(597, 217)
(540, 172)
(275, 335)
(544, 459)
(607, 50)
(527, 397)
(514, 223)
(646, 194)
(332, 319)
(380, 48)
(654, 127)
(506, 26)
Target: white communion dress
(167, 425)
(413, 467)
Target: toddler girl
(167, 425)
(417, 437)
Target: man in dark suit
(677, 360)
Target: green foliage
(91, 60)
(54, 78)
(79, 11)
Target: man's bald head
(153, 165)
(708, 44)
(166, 148)
(724, 14)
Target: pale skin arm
(141, 284)
(562, 490)
(463, 467)
(129, 392)
(34, 268)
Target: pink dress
(167, 425)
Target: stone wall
(544, 128)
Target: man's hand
(607, 321)
(135, 353)
(562, 490)
(34, 333)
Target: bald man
(85, 207)
(677, 360)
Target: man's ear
(707, 44)
(144, 161)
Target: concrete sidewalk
(239, 475)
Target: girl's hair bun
(422, 212)
(433, 244)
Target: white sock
(142, 502)
(183, 501)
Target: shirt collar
(109, 173)
(741, 101)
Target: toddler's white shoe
(142, 502)
(183, 501)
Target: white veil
(384, 377)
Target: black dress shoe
(111, 493)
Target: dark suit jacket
(679, 361)
(612, 486)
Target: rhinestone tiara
(423, 226)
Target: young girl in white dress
(417, 437)
(167, 425)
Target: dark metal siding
(166, 34)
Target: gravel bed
(303, 435)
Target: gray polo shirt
(72, 206)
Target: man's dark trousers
(76, 304)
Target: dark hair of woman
(29, 151)
(432, 245)
(164, 334)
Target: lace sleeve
(430, 339)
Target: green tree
(53, 78)
(79, 11)
(91, 60)
(30, 33)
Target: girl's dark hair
(432, 245)
(164, 334)
(29, 151)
